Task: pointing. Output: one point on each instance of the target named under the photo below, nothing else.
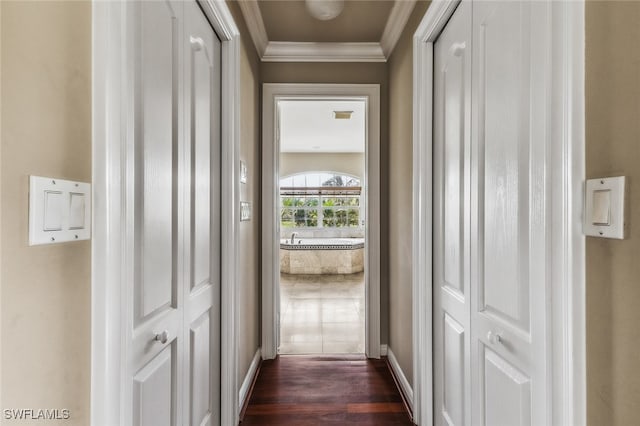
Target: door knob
(494, 337)
(458, 49)
(162, 337)
(196, 43)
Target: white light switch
(605, 208)
(601, 207)
(53, 206)
(59, 210)
(76, 210)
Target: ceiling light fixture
(342, 115)
(325, 10)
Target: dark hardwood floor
(325, 390)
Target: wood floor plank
(325, 390)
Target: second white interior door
(491, 205)
(172, 366)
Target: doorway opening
(322, 194)
(325, 196)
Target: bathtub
(322, 256)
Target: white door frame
(272, 93)
(111, 167)
(567, 172)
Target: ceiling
(365, 31)
(360, 21)
(310, 126)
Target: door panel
(201, 92)
(453, 100)
(454, 381)
(507, 391)
(200, 373)
(503, 108)
(452, 120)
(153, 400)
(156, 135)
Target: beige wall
(354, 73)
(401, 193)
(613, 267)
(249, 262)
(46, 130)
(351, 163)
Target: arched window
(320, 200)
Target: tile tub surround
(322, 256)
(322, 314)
(285, 233)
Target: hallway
(325, 390)
(491, 283)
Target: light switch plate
(59, 210)
(605, 204)
(243, 172)
(245, 211)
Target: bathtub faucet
(293, 235)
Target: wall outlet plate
(245, 211)
(59, 210)
(605, 208)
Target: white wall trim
(402, 379)
(271, 94)
(243, 394)
(106, 243)
(109, 162)
(220, 16)
(284, 51)
(398, 18)
(1, 404)
(255, 24)
(568, 310)
(568, 244)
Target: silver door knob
(494, 337)
(196, 43)
(162, 337)
(458, 48)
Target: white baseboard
(402, 379)
(248, 379)
(383, 350)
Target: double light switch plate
(59, 210)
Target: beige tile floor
(322, 314)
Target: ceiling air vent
(342, 115)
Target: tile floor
(322, 314)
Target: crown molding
(398, 18)
(284, 51)
(255, 24)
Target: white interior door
(173, 369)
(509, 240)
(451, 160)
(202, 226)
(491, 210)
